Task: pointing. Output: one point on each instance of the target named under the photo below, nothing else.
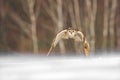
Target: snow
(59, 68)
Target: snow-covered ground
(59, 68)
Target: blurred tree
(92, 10)
(24, 14)
(75, 19)
(105, 24)
(30, 25)
(109, 20)
(54, 10)
(31, 4)
(112, 23)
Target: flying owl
(73, 34)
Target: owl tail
(86, 48)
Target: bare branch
(23, 25)
(25, 6)
(50, 13)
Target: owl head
(71, 33)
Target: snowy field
(59, 68)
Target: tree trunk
(112, 21)
(31, 4)
(77, 13)
(105, 24)
(92, 10)
(60, 24)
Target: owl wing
(80, 37)
(62, 34)
(86, 48)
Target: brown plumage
(70, 33)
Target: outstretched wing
(59, 36)
(79, 36)
(86, 48)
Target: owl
(70, 33)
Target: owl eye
(69, 31)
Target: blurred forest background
(31, 25)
